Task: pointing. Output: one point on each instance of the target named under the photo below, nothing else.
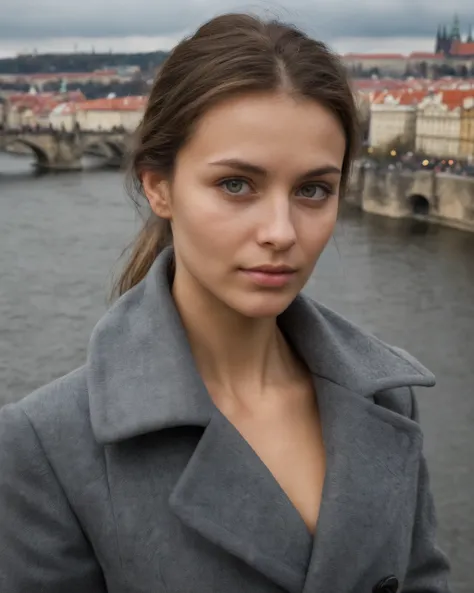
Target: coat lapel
(229, 496)
(372, 465)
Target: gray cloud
(327, 19)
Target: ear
(157, 191)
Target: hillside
(79, 62)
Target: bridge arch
(116, 149)
(100, 148)
(42, 158)
(419, 204)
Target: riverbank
(438, 198)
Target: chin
(262, 305)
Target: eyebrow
(246, 167)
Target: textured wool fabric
(123, 477)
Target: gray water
(412, 285)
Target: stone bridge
(437, 197)
(60, 150)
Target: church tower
(470, 38)
(446, 44)
(443, 41)
(456, 30)
(438, 46)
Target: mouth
(269, 269)
(270, 276)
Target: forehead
(273, 129)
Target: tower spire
(438, 40)
(456, 30)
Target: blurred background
(74, 80)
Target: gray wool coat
(124, 477)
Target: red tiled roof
(75, 96)
(454, 98)
(42, 103)
(451, 92)
(378, 84)
(114, 104)
(463, 49)
(378, 97)
(421, 55)
(363, 83)
(65, 109)
(401, 96)
(412, 98)
(29, 97)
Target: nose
(276, 226)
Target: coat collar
(142, 377)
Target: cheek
(205, 216)
(200, 220)
(316, 228)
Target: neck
(240, 359)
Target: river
(410, 284)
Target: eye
(315, 191)
(235, 186)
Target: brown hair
(231, 54)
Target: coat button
(387, 585)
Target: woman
(226, 433)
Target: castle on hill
(450, 42)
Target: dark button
(387, 585)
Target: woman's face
(254, 200)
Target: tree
(423, 69)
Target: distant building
(34, 108)
(466, 149)
(438, 124)
(451, 43)
(376, 64)
(431, 117)
(393, 119)
(100, 114)
(453, 56)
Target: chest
(289, 443)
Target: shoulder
(55, 417)
(57, 401)
(45, 469)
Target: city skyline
(366, 26)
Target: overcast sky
(146, 25)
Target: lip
(271, 276)
(269, 269)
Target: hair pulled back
(229, 55)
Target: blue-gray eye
(234, 186)
(314, 191)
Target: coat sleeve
(42, 547)
(428, 570)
